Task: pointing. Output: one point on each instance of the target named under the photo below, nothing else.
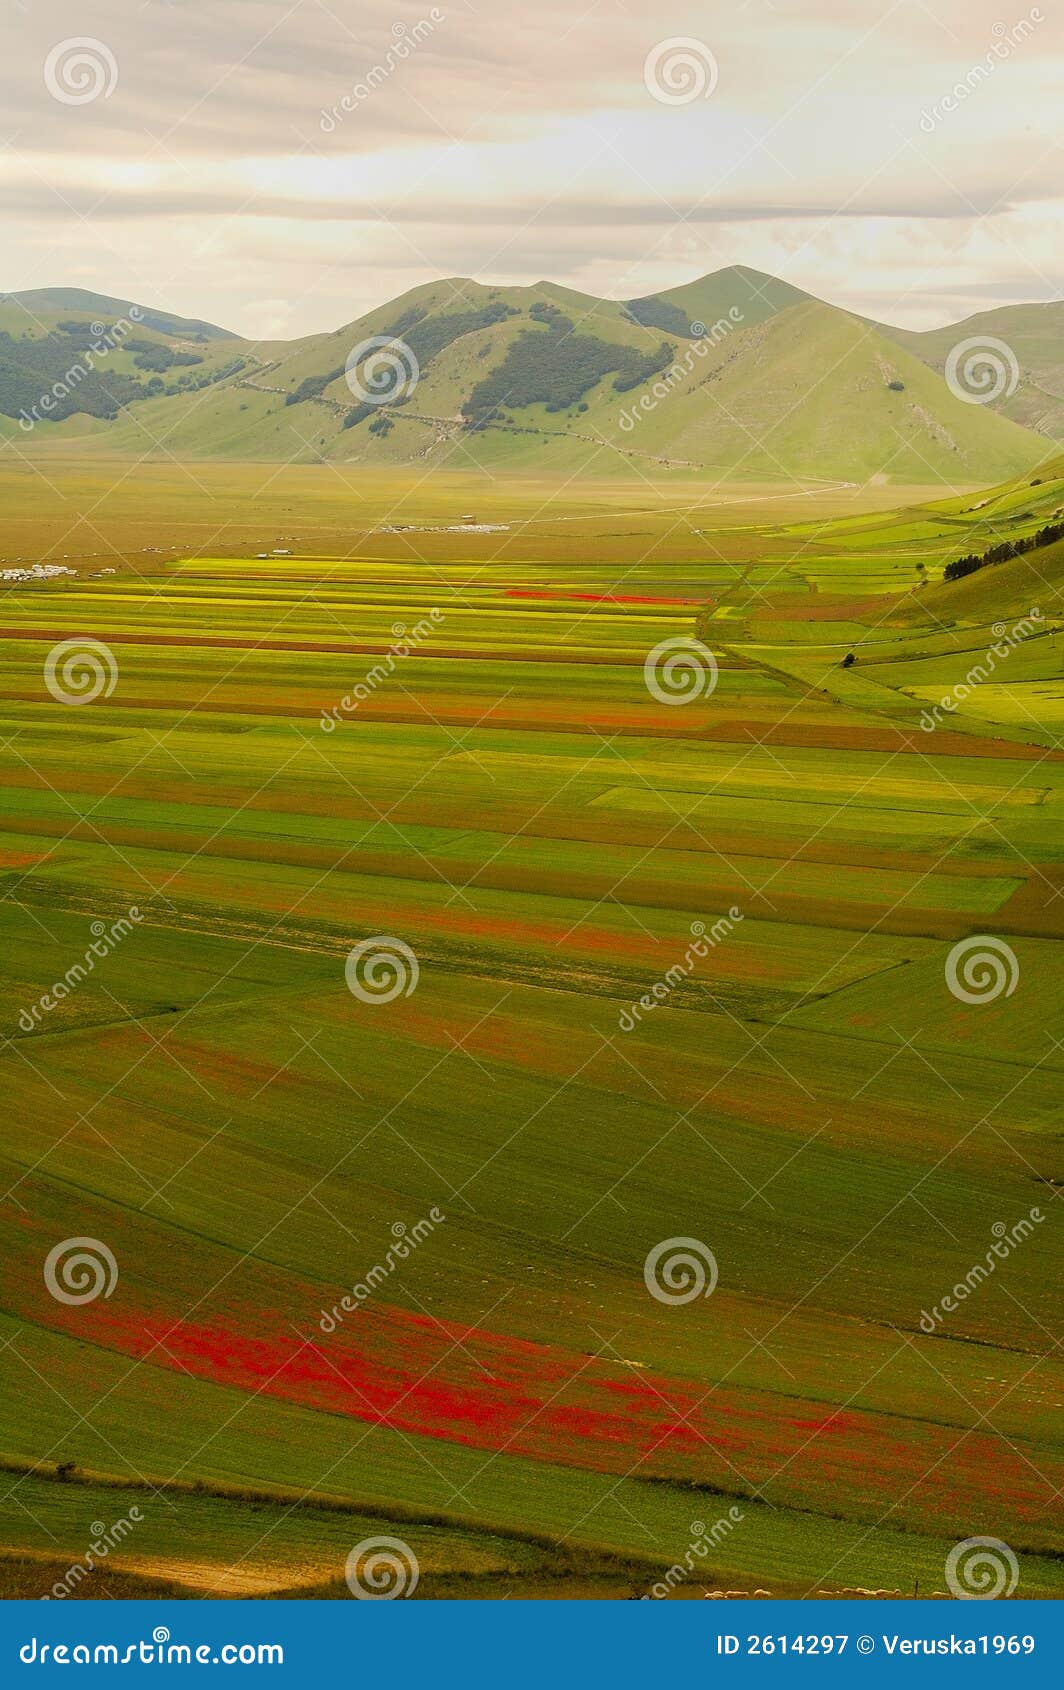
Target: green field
(411, 729)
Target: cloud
(357, 147)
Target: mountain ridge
(735, 373)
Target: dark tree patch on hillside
(55, 369)
(659, 314)
(432, 335)
(426, 336)
(962, 566)
(555, 366)
(312, 387)
(644, 366)
(553, 315)
(74, 368)
(156, 356)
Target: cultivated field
(674, 963)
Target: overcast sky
(282, 167)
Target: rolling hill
(1035, 334)
(69, 356)
(738, 375)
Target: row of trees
(1002, 552)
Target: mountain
(756, 294)
(44, 303)
(1035, 335)
(738, 374)
(72, 357)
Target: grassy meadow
(399, 723)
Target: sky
(282, 166)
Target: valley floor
(500, 931)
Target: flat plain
(400, 723)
